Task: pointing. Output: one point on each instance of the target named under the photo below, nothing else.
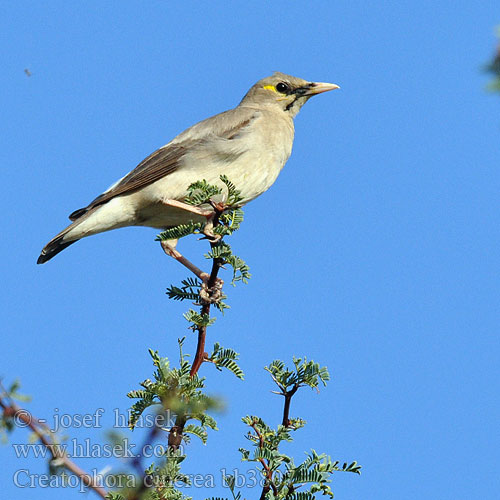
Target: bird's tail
(52, 248)
(58, 243)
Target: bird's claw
(211, 295)
(209, 234)
(218, 206)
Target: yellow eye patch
(270, 87)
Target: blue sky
(375, 253)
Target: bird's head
(285, 92)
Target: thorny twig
(12, 410)
(285, 423)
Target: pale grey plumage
(249, 144)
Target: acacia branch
(12, 410)
(136, 462)
(285, 423)
(269, 473)
(286, 409)
(217, 263)
(201, 355)
(209, 281)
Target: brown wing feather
(157, 165)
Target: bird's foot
(213, 294)
(208, 232)
(218, 207)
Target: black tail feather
(78, 213)
(53, 248)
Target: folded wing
(167, 159)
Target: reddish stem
(12, 410)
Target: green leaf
(198, 319)
(174, 233)
(304, 373)
(196, 430)
(233, 194)
(190, 290)
(230, 482)
(114, 496)
(226, 358)
(201, 192)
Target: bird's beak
(320, 87)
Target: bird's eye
(283, 87)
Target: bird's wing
(167, 159)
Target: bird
(248, 144)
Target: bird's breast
(269, 144)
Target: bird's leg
(210, 215)
(208, 294)
(211, 288)
(171, 251)
(212, 221)
(189, 208)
